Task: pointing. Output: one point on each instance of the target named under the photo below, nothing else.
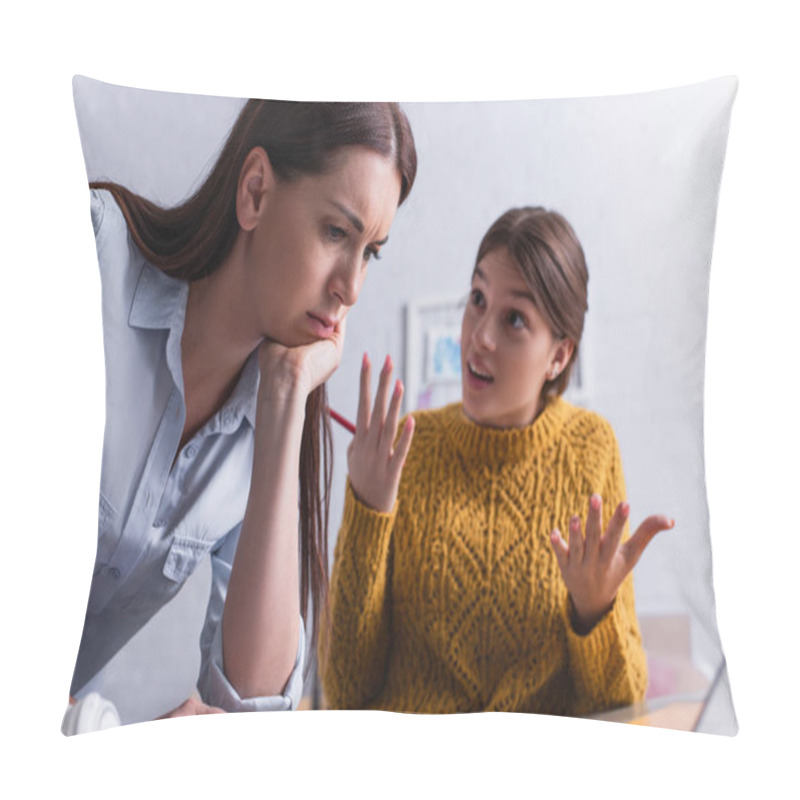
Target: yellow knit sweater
(454, 601)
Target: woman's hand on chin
(286, 371)
(374, 462)
(594, 566)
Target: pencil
(342, 421)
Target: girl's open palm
(374, 462)
(595, 565)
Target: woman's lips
(323, 327)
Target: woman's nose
(347, 280)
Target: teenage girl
(487, 565)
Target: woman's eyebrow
(355, 220)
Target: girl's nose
(483, 334)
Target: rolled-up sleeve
(214, 687)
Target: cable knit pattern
(454, 602)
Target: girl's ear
(256, 179)
(561, 356)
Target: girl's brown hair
(550, 259)
(193, 239)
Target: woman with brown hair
(223, 317)
(453, 589)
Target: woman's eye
(335, 233)
(372, 253)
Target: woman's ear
(255, 181)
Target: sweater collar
(506, 444)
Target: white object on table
(90, 713)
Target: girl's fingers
(561, 550)
(632, 550)
(390, 428)
(381, 399)
(594, 528)
(402, 448)
(575, 540)
(363, 415)
(614, 531)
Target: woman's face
(507, 348)
(308, 255)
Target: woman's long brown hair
(193, 239)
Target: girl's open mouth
(481, 376)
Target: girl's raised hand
(374, 462)
(594, 566)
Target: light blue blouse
(158, 519)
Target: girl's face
(308, 255)
(507, 349)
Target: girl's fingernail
(595, 502)
(398, 388)
(364, 361)
(387, 365)
(626, 509)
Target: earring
(553, 374)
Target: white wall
(638, 178)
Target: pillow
(638, 177)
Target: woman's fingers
(191, 707)
(210, 710)
(632, 550)
(323, 357)
(363, 414)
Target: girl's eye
(516, 320)
(476, 297)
